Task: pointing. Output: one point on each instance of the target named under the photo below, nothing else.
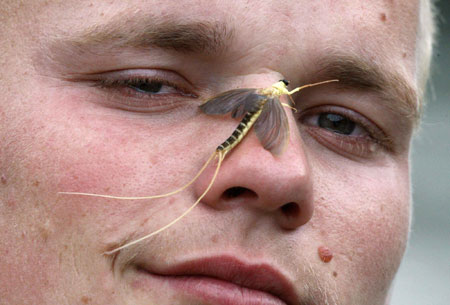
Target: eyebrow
(355, 72)
(184, 37)
(211, 38)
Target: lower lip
(212, 291)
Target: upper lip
(258, 276)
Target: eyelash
(120, 84)
(362, 145)
(133, 82)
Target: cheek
(70, 146)
(99, 150)
(364, 219)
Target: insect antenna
(311, 85)
(221, 156)
(303, 87)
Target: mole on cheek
(325, 254)
(3, 179)
(215, 239)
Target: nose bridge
(275, 178)
(279, 184)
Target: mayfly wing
(237, 101)
(272, 126)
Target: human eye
(143, 90)
(344, 131)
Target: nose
(254, 178)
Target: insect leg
(289, 106)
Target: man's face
(102, 97)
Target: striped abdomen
(242, 129)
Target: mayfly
(260, 108)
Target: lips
(226, 280)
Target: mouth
(225, 280)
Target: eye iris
(147, 87)
(336, 123)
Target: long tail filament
(220, 156)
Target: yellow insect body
(241, 131)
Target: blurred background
(424, 276)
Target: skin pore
(102, 97)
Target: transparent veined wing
(237, 101)
(272, 126)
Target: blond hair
(426, 33)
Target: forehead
(307, 26)
(290, 37)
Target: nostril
(238, 191)
(290, 209)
